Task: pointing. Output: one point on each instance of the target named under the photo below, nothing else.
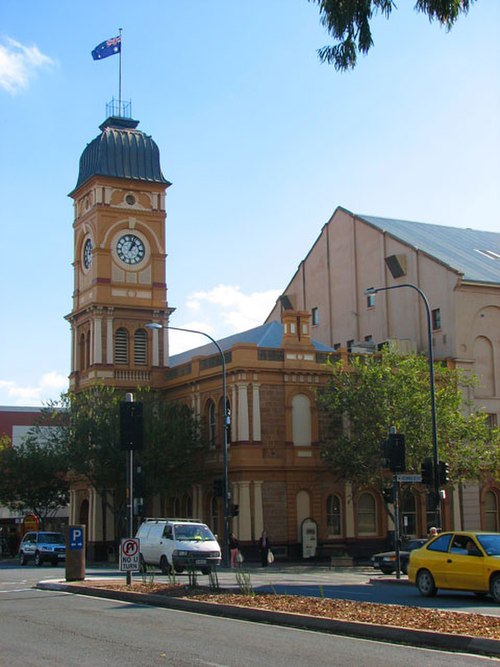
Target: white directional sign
(403, 477)
(129, 554)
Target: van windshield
(193, 532)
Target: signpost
(403, 477)
(129, 555)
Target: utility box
(75, 553)
(309, 530)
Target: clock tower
(119, 259)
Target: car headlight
(389, 559)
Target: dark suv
(41, 546)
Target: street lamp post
(435, 454)
(225, 546)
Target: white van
(178, 544)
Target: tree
(348, 22)
(33, 476)
(362, 401)
(173, 459)
(90, 435)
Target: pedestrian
(265, 547)
(432, 532)
(234, 547)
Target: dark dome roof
(121, 151)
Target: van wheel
(38, 559)
(165, 566)
(142, 564)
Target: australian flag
(107, 48)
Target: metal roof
(121, 151)
(470, 252)
(268, 335)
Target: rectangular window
(370, 300)
(436, 318)
(315, 316)
(349, 344)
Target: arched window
(334, 515)
(366, 515)
(140, 347)
(121, 346)
(491, 512)
(301, 420)
(212, 424)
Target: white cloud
(18, 64)
(48, 387)
(220, 312)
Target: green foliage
(173, 458)
(348, 22)
(361, 402)
(33, 476)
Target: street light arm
(435, 453)
(157, 326)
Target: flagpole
(120, 77)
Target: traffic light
(388, 495)
(139, 482)
(444, 473)
(235, 510)
(218, 488)
(427, 472)
(396, 452)
(131, 425)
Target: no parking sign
(129, 554)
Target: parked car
(41, 546)
(459, 560)
(385, 561)
(177, 544)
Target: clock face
(87, 253)
(130, 249)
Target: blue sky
(260, 140)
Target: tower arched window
(121, 346)
(334, 515)
(366, 515)
(140, 347)
(81, 353)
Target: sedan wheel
(425, 584)
(22, 559)
(495, 588)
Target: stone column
(243, 420)
(349, 511)
(258, 510)
(256, 423)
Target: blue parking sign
(76, 538)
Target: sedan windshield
(490, 543)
